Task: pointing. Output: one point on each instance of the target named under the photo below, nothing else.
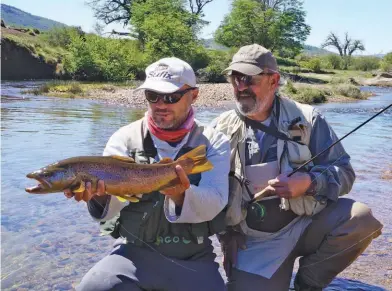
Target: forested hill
(18, 18)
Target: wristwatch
(311, 191)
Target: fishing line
(258, 197)
(342, 251)
(359, 126)
(346, 249)
(151, 247)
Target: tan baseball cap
(253, 60)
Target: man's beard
(246, 102)
(161, 123)
(173, 124)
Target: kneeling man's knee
(363, 217)
(97, 281)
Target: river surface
(49, 242)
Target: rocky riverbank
(210, 95)
(218, 95)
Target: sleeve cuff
(175, 213)
(317, 186)
(170, 209)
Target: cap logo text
(160, 72)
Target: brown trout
(123, 177)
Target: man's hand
(290, 187)
(87, 194)
(231, 241)
(177, 193)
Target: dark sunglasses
(153, 97)
(246, 79)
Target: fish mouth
(40, 188)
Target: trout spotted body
(123, 177)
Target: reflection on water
(49, 243)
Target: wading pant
(335, 238)
(131, 268)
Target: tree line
(157, 28)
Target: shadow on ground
(342, 284)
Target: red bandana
(171, 135)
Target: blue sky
(361, 19)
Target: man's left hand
(290, 187)
(177, 193)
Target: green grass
(70, 89)
(313, 94)
(37, 46)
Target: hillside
(211, 44)
(315, 51)
(28, 56)
(18, 18)
(308, 49)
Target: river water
(49, 242)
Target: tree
(278, 25)
(196, 6)
(110, 11)
(163, 28)
(120, 11)
(98, 28)
(345, 48)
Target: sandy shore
(210, 95)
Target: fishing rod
(262, 193)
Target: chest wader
(145, 220)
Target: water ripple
(49, 243)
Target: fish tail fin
(200, 161)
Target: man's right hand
(87, 194)
(231, 241)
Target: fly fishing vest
(295, 124)
(145, 221)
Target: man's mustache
(246, 93)
(162, 111)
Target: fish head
(51, 179)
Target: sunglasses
(246, 80)
(153, 97)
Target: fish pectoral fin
(123, 159)
(133, 199)
(121, 199)
(80, 187)
(130, 199)
(166, 161)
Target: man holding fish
(162, 236)
(293, 214)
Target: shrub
(386, 64)
(289, 87)
(311, 95)
(211, 74)
(333, 62)
(286, 62)
(217, 62)
(200, 58)
(61, 36)
(103, 59)
(313, 64)
(348, 91)
(386, 67)
(365, 63)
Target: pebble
(210, 95)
